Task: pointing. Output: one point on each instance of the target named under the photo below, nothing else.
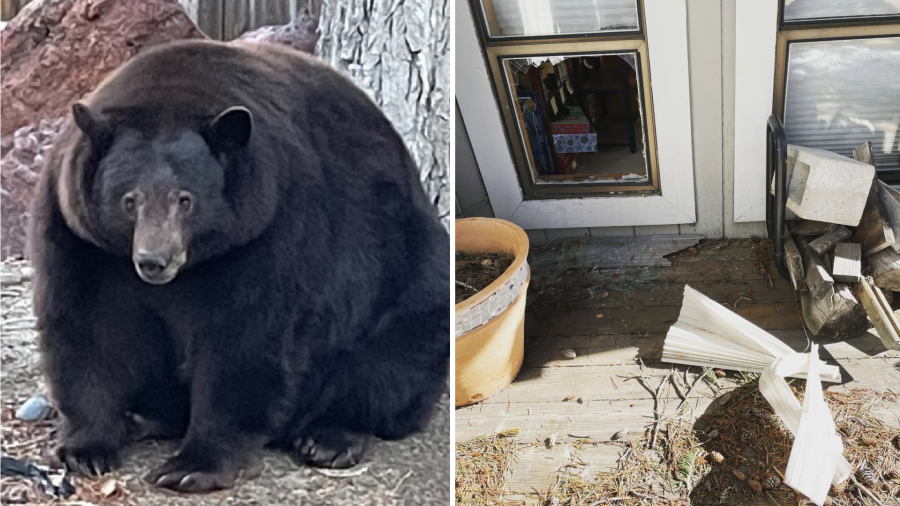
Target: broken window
(838, 77)
(578, 113)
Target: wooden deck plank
(593, 350)
(634, 323)
(595, 383)
(652, 319)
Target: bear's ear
(230, 129)
(95, 126)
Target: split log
(863, 153)
(847, 264)
(818, 280)
(874, 231)
(885, 267)
(838, 316)
(794, 263)
(882, 316)
(824, 244)
(811, 227)
(890, 200)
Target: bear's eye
(129, 203)
(185, 202)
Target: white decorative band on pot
(482, 313)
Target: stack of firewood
(843, 254)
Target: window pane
(809, 10)
(516, 18)
(580, 118)
(841, 93)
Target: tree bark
(399, 52)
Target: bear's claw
(87, 461)
(335, 450)
(184, 475)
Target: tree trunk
(399, 52)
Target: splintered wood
(880, 312)
(847, 263)
(823, 255)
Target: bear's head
(153, 190)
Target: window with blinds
(838, 77)
(517, 18)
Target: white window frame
(666, 27)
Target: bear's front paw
(331, 449)
(184, 474)
(89, 458)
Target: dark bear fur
(311, 309)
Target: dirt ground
(412, 471)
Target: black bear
(231, 246)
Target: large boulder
(56, 51)
(20, 168)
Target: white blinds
(841, 93)
(808, 10)
(550, 17)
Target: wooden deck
(610, 333)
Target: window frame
(570, 187)
(761, 48)
(498, 49)
(485, 17)
(817, 31)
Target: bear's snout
(157, 267)
(151, 264)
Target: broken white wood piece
(624, 251)
(878, 314)
(874, 231)
(835, 316)
(812, 227)
(708, 334)
(847, 265)
(818, 280)
(826, 186)
(885, 267)
(816, 461)
(824, 244)
(794, 263)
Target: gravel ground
(412, 471)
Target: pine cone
(739, 475)
(748, 435)
(772, 482)
(760, 413)
(570, 353)
(839, 488)
(620, 434)
(869, 441)
(867, 476)
(724, 399)
(755, 486)
(717, 457)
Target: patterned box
(575, 143)
(574, 123)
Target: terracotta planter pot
(490, 330)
